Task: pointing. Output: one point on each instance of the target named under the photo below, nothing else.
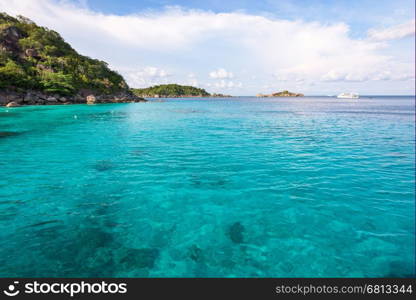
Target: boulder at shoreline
(12, 104)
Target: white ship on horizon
(348, 95)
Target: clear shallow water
(225, 187)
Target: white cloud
(192, 82)
(227, 84)
(188, 41)
(394, 32)
(137, 77)
(220, 74)
(154, 72)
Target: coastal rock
(13, 98)
(78, 99)
(91, 99)
(30, 98)
(12, 104)
(3, 100)
(52, 100)
(42, 96)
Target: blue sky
(359, 14)
(242, 47)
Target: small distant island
(173, 91)
(281, 94)
(170, 90)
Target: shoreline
(30, 97)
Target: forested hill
(34, 58)
(171, 90)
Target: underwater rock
(94, 238)
(8, 133)
(96, 263)
(137, 152)
(103, 165)
(236, 233)
(139, 258)
(221, 182)
(161, 238)
(195, 253)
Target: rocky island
(38, 67)
(281, 94)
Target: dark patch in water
(139, 258)
(221, 182)
(198, 181)
(43, 223)
(236, 233)
(48, 232)
(369, 226)
(94, 238)
(7, 216)
(399, 269)
(103, 165)
(195, 253)
(83, 252)
(11, 202)
(137, 152)
(4, 134)
(162, 238)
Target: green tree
(12, 75)
(57, 83)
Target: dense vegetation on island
(171, 90)
(38, 59)
(281, 94)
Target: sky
(315, 47)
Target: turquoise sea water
(289, 187)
